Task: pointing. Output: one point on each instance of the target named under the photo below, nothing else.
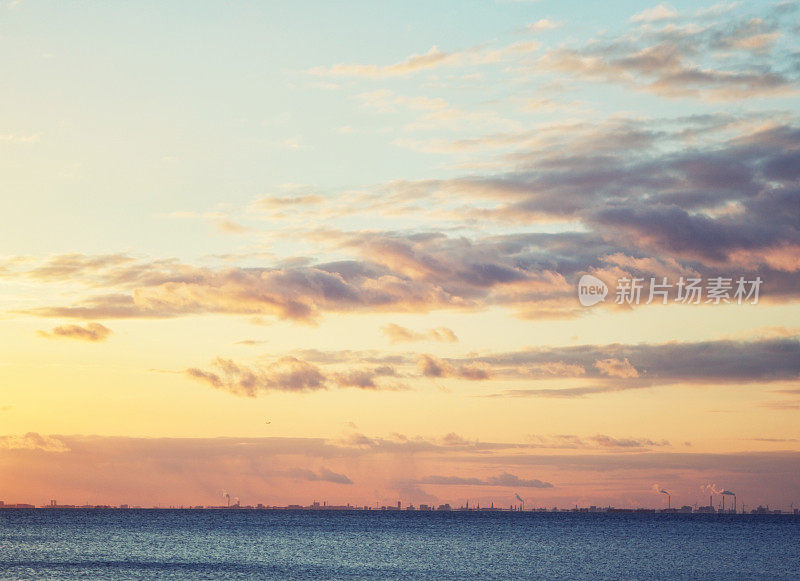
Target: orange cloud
(93, 332)
(398, 334)
(616, 368)
(289, 374)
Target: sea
(318, 544)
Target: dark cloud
(597, 368)
(723, 361)
(600, 441)
(723, 58)
(709, 195)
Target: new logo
(591, 290)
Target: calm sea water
(166, 544)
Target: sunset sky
(331, 251)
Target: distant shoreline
(306, 509)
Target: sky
(332, 251)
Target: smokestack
(725, 493)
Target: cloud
(505, 479)
(739, 462)
(660, 12)
(402, 444)
(285, 374)
(289, 374)
(453, 481)
(609, 442)
(685, 59)
(362, 378)
(33, 441)
(542, 25)
(565, 392)
(433, 58)
(754, 35)
(398, 334)
(194, 470)
(93, 332)
(276, 203)
(230, 227)
(703, 361)
(20, 138)
(706, 196)
(413, 63)
(65, 265)
(324, 475)
(616, 368)
(599, 441)
(430, 366)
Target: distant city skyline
(423, 507)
